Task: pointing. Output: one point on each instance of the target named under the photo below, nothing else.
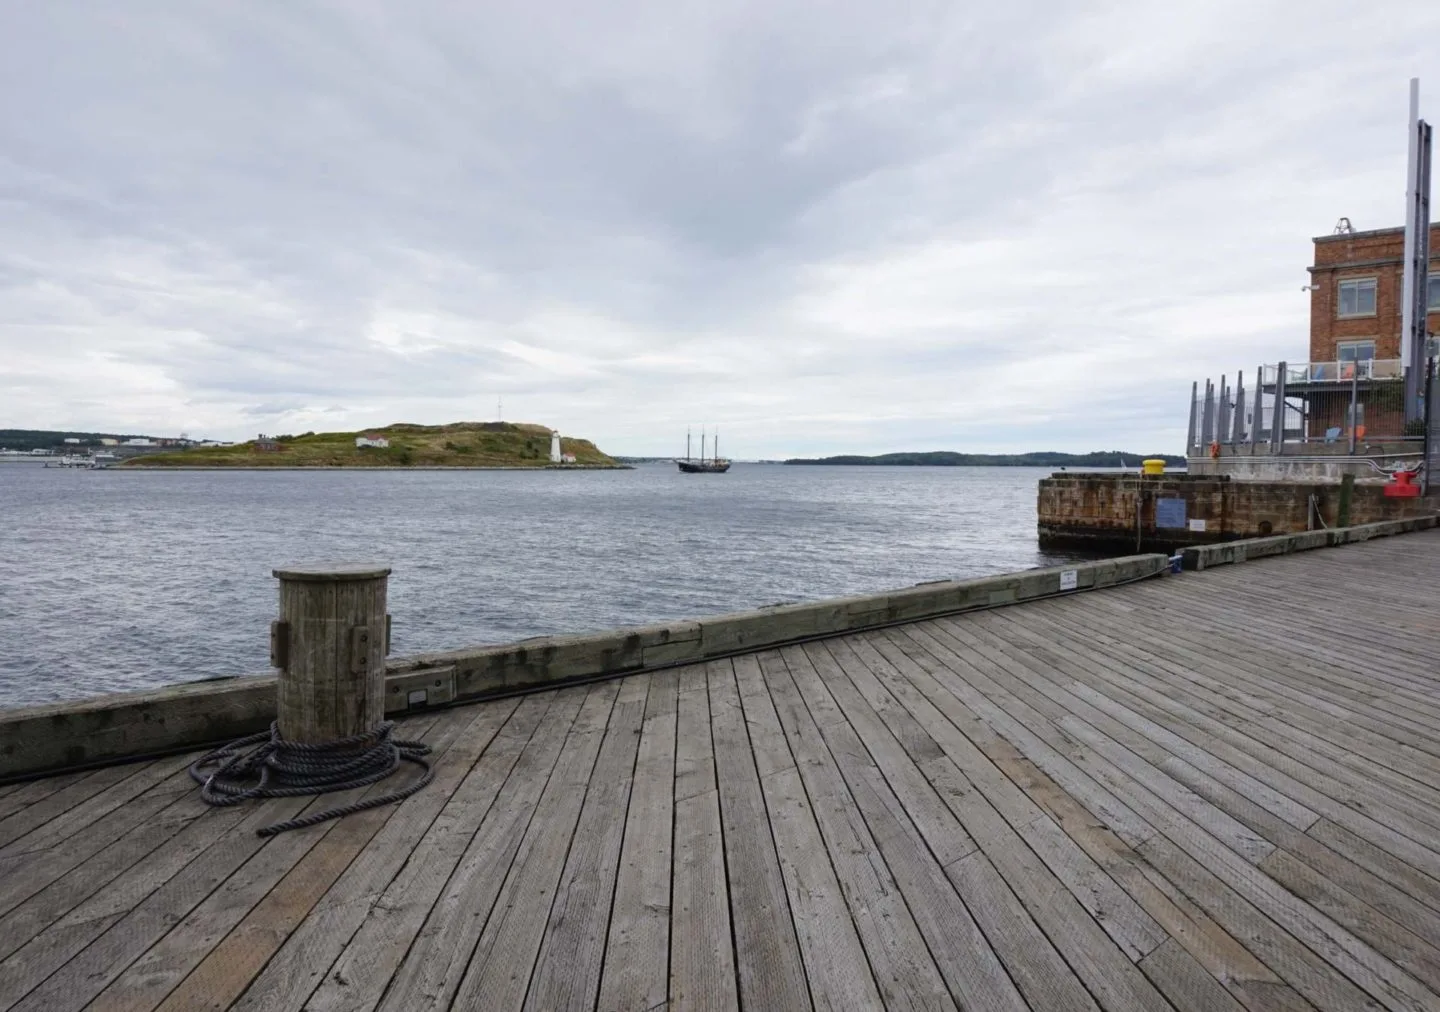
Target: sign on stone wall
(1170, 513)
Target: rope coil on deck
(277, 768)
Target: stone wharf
(135, 725)
(317, 695)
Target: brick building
(1356, 293)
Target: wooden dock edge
(121, 726)
(1230, 552)
(115, 728)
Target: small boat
(715, 465)
(69, 460)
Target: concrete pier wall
(1109, 512)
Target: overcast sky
(824, 227)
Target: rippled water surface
(116, 580)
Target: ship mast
(687, 443)
(702, 444)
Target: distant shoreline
(157, 469)
(948, 458)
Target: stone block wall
(1117, 512)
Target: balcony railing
(1300, 373)
(1343, 407)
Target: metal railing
(1300, 373)
(1340, 408)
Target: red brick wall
(1379, 255)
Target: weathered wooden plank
(636, 969)
(1124, 920)
(432, 968)
(1094, 956)
(1297, 967)
(139, 900)
(144, 777)
(210, 958)
(1158, 702)
(881, 901)
(357, 979)
(767, 953)
(1305, 971)
(1037, 967)
(27, 792)
(572, 951)
(702, 957)
(308, 948)
(500, 970)
(951, 667)
(943, 833)
(835, 961)
(84, 977)
(1184, 982)
(1224, 957)
(1360, 962)
(14, 828)
(1282, 721)
(158, 821)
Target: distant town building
(567, 458)
(139, 441)
(72, 441)
(107, 441)
(372, 439)
(266, 444)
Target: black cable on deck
(276, 768)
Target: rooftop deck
(1211, 792)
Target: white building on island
(372, 439)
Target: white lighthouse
(554, 447)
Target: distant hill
(948, 458)
(459, 444)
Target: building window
(1432, 293)
(1357, 297)
(1355, 351)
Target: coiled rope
(284, 769)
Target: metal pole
(1239, 434)
(1194, 408)
(1277, 415)
(1417, 244)
(1259, 415)
(1407, 293)
(1222, 413)
(1354, 409)
(1431, 458)
(1207, 420)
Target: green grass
(459, 444)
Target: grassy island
(459, 444)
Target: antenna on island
(499, 409)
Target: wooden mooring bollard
(330, 643)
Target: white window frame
(1432, 293)
(1339, 287)
(1355, 344)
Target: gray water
(115, 580)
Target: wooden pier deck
(1217, 791)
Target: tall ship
(715, 464)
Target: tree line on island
(949, 458)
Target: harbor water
(114, 580)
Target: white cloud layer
(826, 228)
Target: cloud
(825, 228)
